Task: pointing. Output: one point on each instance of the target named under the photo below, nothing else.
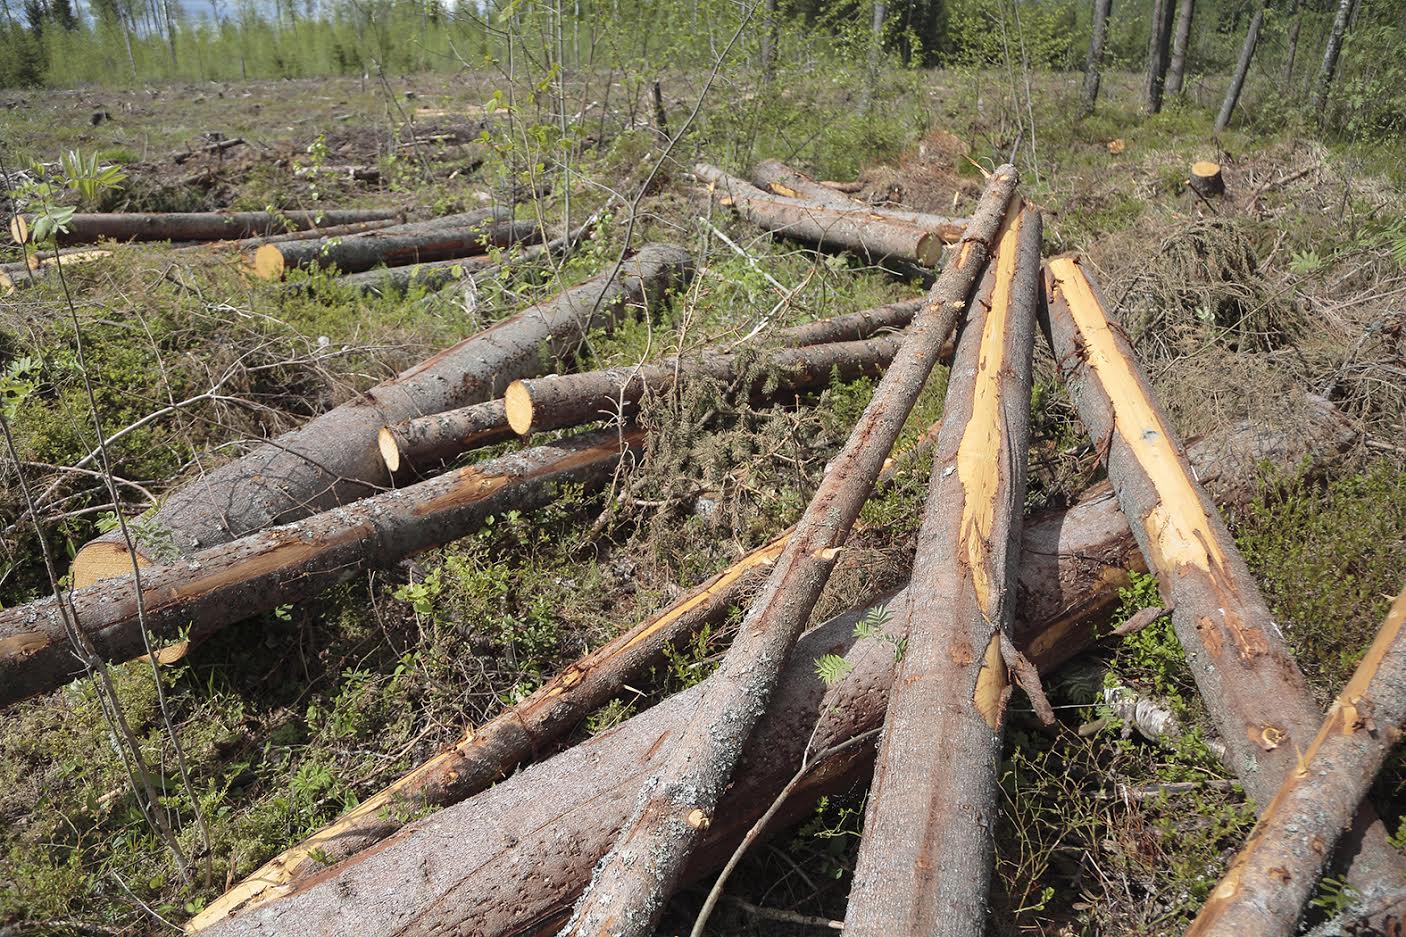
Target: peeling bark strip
(1072, 565)
(205, 226)
(227, 583)
(1254, 691)
(632, 883)
(333, 459)
(471, 234)
(925, 859)
(860, 230)
(1269, 882)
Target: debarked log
(333, 459)
(1073, 564)
(213, 588)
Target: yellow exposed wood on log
(992, 684)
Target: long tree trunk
(396, 247)
(1242, 68)
(925, 860)
(1158, 47)
(1093, 70)
(860, 230)
(1330, 58)
(632, 883)
(1181, 40)
(769, 35)
(205, 226)
(247, 244)
(217, 147)
(1286, 80)
(19, 275)
(333, 458)
(1073, 563)
(1267, 885)
(774, 176)
(1253, 690)
(521, 856)
(232, 581)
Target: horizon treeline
(69, 43)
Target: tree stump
(1206, 179)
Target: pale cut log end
(19, 229)
(929, 249)
(101, 560)
(517, 401)
(268, 262)
(1206, 179)
(7, 283)
(390, 449)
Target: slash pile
(595, 840)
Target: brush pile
(595, 840)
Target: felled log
(553, 402)
(393, 247)
(1267, 885)
(206, 226)
(218, 146)
(354, 173)
(1073, 563)
(779, 179)
(925, 860)
(630, 886)
(232, 581)
(1256, 695)
(19, 275)
(390, 281)
(343, 230)
(861, 231)
(1206, 179)
(333, 458)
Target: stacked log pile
(595, 840)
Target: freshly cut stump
(1206, 179)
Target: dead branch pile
(595, 840)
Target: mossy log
(1267, 885)
(859, 230)
(1073, 563)
(631, 885)
(206, 226)
(333, 459)
(1254, 691)
(926, 856)
(230, 582)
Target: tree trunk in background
(876, 52)
(1242, 68)
(1181, 40)
(632, 883)
(1286, 81)
(925, 860)
(1255, 694)
(1158, 48)
(1092, 71)
(1267, 885)
(1330, 58)
(769, 32)
(333, 459)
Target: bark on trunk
(582, 398)
(230, 582)
(1158, 46)
(1267, 885)
(1242, 68)
(925, 860)
(1286, 80)
(1093, 70)
(333, 459)
(776, 178)
(394, 281)
(206, 226)
(343, 230)
(860, 231)
(396, 247)
(219, 146)
(1253, 690)
(632, 883)
(19, 275)
(1181, 39)
(536, 405)
(1073, 563)
(769, 30)
(1206, 179)
(1330, 58)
